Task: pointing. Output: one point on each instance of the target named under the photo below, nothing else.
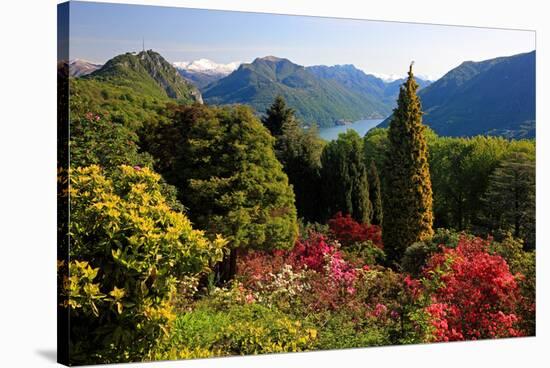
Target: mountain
(316, 99)
(372, 87)
(79, 67)
(147, 73)
(203, 71)
(494, 97)
(391, 91)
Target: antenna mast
(143, 43)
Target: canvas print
(235, 183)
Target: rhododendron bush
(472, 293)
(347, 231)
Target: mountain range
(492, 97)
(323, 95)
(203, 71)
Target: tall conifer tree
(407, 197)
(375, 194)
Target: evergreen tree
(510, 198)
(407, 197)
(276, 115)
(375, 194)
(223, 163)
(344, 178)
(300, 151)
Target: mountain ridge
(494, 96)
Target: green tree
(510, 198)
(375, 194)
(375, 145)
(276, 116)
(96, 140)
(450, 164)
(344, 178)
(128, 248)
(223, 163)
(299, 150)
(407, 196)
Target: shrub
(448, 237)
(524, 263)
(364, 253)
(415, 258)
(347, 231)
(127, 249)
(473, 293)
(240, 329)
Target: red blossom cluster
(475, 295)
(348, 231)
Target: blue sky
(100, 31)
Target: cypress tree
(407, 197)
(344, 178)
(276, 115)
(375, 194)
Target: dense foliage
(299, 151)
(345, 185)
(128, 250)
(223, 164)
(510, 197)
(408, 215)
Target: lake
(360, 126)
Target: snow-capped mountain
(203, 71)
(207, 66)
(79, 67)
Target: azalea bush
(348, 231)
(128, 250)
(473, 295)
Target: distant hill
(79, 67)
(494, 97)
(317, 99)
(147, 73)
(202, 72)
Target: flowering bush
(473, 293)
(347, 231)
(128, 249)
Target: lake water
(360, 126)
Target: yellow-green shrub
(240, 329)
(128, 248)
